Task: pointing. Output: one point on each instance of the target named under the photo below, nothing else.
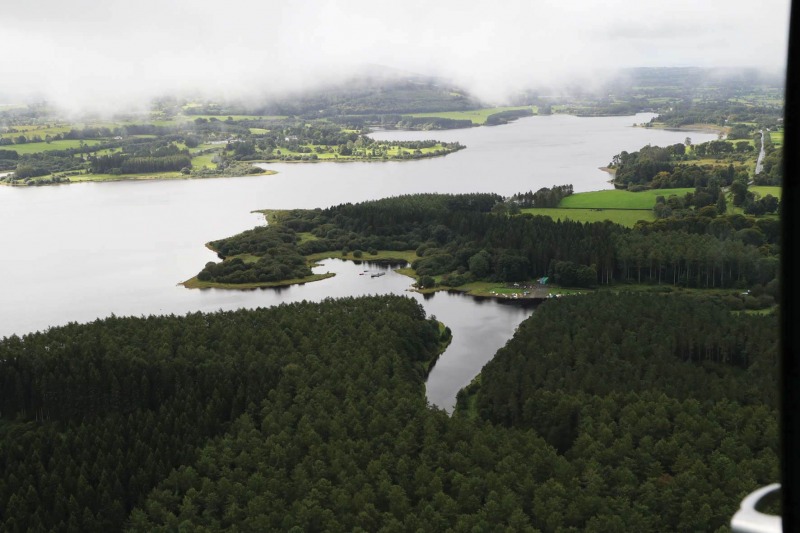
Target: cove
(82, 251)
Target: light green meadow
(204, 160)
(763, 190)
(33, 148)
(627, 218)
(618, 199)
(477, 116)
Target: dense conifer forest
(95, 415)
(312, 417)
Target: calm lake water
(74, 253)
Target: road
(761, 154)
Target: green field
(704, 127)
(763, 190)
(622, 207)
(619, 199)
(751, 142)
(33, 130)
(477, 116)
(32, 148)
(204, 160)
(627, 218)
(776, 137)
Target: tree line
(544, 197)
(460, 239)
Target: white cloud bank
(103, 55)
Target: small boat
(378, 274)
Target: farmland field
(477, 116)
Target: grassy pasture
(721, 161)
(477, 116)
(204, 160)
(32, 130)
(209, 146)
(32, 148)
(626, 217)
(107, 151)
(764, 190)
(622, 207)
(751, 142)
(306, 236)
(706, 128)
(618, 199)
(776, 137)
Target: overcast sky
(102, 54)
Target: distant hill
(377, 91)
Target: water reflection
(480, 326)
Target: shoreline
(355, 160)
(442, 348)
(699, 128)
(194, 283)
(610, 171)
(107, 178)
(483, 289)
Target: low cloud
(93, 56)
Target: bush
(734, 302)
(454, 280)
(426, 282)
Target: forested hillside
(665, 407)
(94, 416)
(312, 417)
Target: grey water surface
(75, 253)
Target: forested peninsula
(456, 240)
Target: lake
(73, 253)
